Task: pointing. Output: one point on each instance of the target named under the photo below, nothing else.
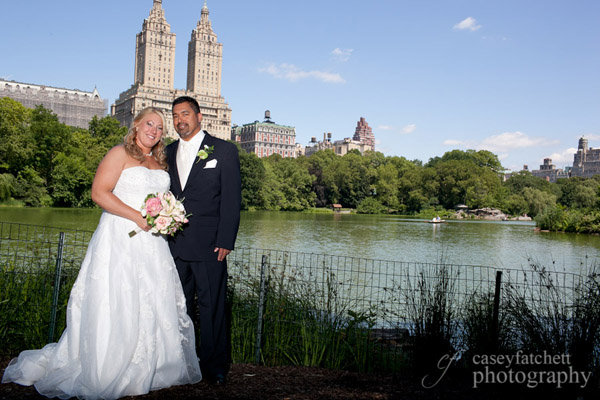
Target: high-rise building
(72, 107)
(155, 69)
(586, 162)
(364, 134)
(363, 140)
(266, 138)
(549, 172)
(155, 51)
(205, 58)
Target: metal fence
(294, 307)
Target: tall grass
(557, 317)
(312, 318)
(432, 311)
(25, 304)
(304, 324)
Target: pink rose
(153, 206)
(162, 222)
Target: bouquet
(164, 213)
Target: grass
(310, 318)
(303, 324)
(25, 305)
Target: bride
(127, 328)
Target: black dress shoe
(219, 380)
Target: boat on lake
(436, 220)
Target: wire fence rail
(301, 308)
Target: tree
(322, 165)
(16, 144)
(252, 172)
(519, 181)
(288, 185)
(538, 201)
(7, 186)
(370, 205)
(353, 178)
(106, 127)
(49, 137)
(516, 204)
(386, 185)
(71, 182)
(578, 192)
(31, 188)
(481, 158)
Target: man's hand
(222, 253)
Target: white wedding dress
(127, 328)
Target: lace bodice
(135, 183)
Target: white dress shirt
(186, 155)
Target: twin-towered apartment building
(154, 71)
(153, 86)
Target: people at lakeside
(205, 172)
(128, 331)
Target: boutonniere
(204, 153)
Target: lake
(383, 237)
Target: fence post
(57, 274)
(496, 310)
(261, 304)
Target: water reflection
(498, 244)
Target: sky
(518, 78)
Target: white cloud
(591, 136)
(565, 157)
(468, 23)
(292, 73)
(453, 142)
(341, 55)
(410, 128)
(503, 142)
(512, 140)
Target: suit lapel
(172, 161)
(199, 164)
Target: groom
(205, 173)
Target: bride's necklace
(149, 154)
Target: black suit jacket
(212, 196)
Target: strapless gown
(127, 331)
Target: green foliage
(71, 182)
(44, 162)
(107, 127)
(16, 145)
(549, 316)
(524, 179)
(25, 305)
(370, 205)
(432, 311)
(538, 201)
(303, 323)
(578, 192)
(287, 185)
(321, 165)
(564, 220)
(481, 158)
(252, 172)
(7, 186)
(516, 204)
(31, 188)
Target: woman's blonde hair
(131, 147)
